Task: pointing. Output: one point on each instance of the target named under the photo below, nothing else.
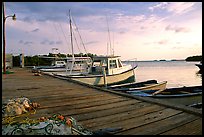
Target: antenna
(108, 33)
(113, 44)
(107, 48)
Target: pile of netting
(15, 121)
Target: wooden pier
(96, 108)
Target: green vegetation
(194, 58)
(8, 72)
(38, 61)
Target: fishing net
(15, 121)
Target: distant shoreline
(153, 60)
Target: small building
(9, 61)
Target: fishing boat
(170, 92)
(56, 65)
(152, 85)
(188, 96)
(105, 70)
(81, 64)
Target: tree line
(194, 58)
(37, 60)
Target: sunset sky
(137, 30)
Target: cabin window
(119, 64)
(60, 62)
(113, 64)
(104, 63)
(96, 63)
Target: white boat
(152, 85)
(105, 70)
(81, 64)
(56, 65)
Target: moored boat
(105, 70)
(80, 64)
(56, 65)
(170, 92)
(152, 85)
(188, 96)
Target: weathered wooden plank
(73, 109)
(39, 90)
(155, 128)
(135, 121)
(80, 101)
(117, 115)
(64, 97)
(43, 94)
(84, 108)
(90, 116)
(191, 128)
(53, 92)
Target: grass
(7, 72)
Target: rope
(80, 37)
(11, 119)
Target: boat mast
(108, 34)
(70, 21)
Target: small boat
(105, 70)
(170, 92)
(80, 64)
(56, 65)
(152, 85)
(188, 96)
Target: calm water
(176, 73)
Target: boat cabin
(58, 63)
(112, 65)
(80, 63)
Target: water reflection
(177, 73)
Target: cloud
(180, 7)
(162, 42)
(131, 25)
(26, 43)
(173, 7)
(177, 47)
(58, 42)
(51, 11)
(177, 29)
(35, 30)
(48, 42)
(161, 5)
(91, 42)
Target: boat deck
(95, 108)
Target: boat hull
(140, 86)
(154, 87)
(101, 80)
(171, 92)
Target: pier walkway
(96, 108)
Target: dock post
(22, 60)
(104, 77)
